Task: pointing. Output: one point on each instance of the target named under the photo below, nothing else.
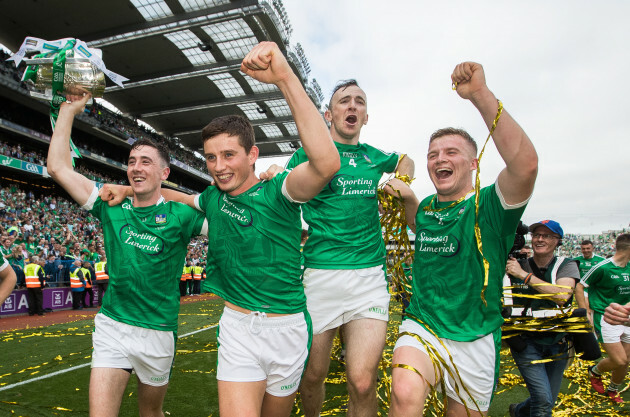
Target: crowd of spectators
(16, 151)
(603, 243)
(124, 126)
(35, 157)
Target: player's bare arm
(7, 282)
(516, 181)
(398, 188)
(59, 162)
(406, 166)
(266, 63)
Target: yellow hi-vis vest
(87, 276)
(186, 273)
(99, 269)
(32, 279)
(197, 270)
(75, 281)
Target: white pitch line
(44, 376)
(197, 331)
(17, 384)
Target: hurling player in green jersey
(586, 262)
(608, 283)
(248, 211)
(344, 277)
(447, 312)
(146, 239)
(588, 258)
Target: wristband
(528, 278)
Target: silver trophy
(81, 76)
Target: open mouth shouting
(352, 120)
(443, 173)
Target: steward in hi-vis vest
(102, 278)
(89, 293)
(35, 281)
(186, 275)
(197, 272)
(77, 284)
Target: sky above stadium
(559, 67)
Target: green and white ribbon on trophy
(54, 54)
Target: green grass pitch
(64, 350)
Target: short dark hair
(623, 242)
(454, 131)
(586, 242)
(162, 150)
(233, 125)
(343, 84)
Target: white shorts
(611, 333)
(148, 352)
(337, 296)
(476, 363)
(254, 347)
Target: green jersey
(254, 248)
(586, 264)
(3, 263)
(607, 283)
(146, 249)
(31, 248)
(448, 272)
(344, 227)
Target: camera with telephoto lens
(519, 241)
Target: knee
(619, 361)
(407, 399)
(314, 376)
(362, 384)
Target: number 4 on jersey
(351, 162)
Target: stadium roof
(182, 58)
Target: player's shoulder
(366, 147)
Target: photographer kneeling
(542, 274)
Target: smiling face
(231, 167)
(587, 251)
(544, 241)
(450, 162)
(347, 114)
(145, 172)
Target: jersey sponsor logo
(145, 242)
(349, 185)
(622, 289)
(350, 154)
(241, 215)
(442, 245)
